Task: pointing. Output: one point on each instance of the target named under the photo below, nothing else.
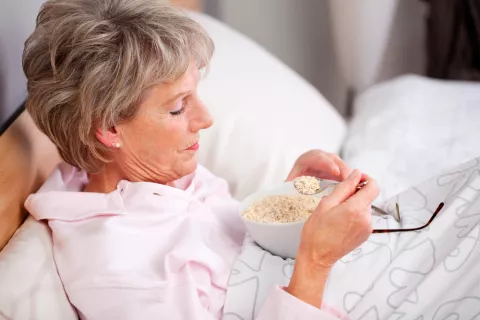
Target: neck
(105, 181)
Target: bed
(404, 131)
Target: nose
(202, 119)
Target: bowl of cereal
(275, 217)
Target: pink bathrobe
(150, 251)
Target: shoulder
(210, 185)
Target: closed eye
(180, 108)
(177, 113)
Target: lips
(194, 147)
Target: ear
(108, 137)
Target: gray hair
(88, 62)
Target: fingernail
(336, 169)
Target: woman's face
(160, 143)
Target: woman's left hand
(320, 164)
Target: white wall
(296, 31)
(299, 32)
(405, 51)
(17, 21)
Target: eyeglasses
(398, 218)
(325, 185)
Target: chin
(190, 166)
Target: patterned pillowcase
(30, 287)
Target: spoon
(311, 186)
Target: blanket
(428, 274)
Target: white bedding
(411, 128)
(405, 131)
(432, 274)
(30, 287)
(401, 111)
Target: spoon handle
(362, 184)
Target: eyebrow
(184, 93)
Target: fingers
(318, 164)
(343, 191)
(366, 195)
(294, 173)
(326, 167)
(345, 170)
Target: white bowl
(281, 239)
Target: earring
(116, 145)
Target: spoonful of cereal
(309, 185)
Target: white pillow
(30, 287)
(412, 128)
(265, 114)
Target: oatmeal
(282, 209)
(306, 185)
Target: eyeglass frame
(435, 213)
(397, 209)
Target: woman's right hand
(340, 223)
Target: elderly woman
(140, 230)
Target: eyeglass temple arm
(379, 210)
(440, 206)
